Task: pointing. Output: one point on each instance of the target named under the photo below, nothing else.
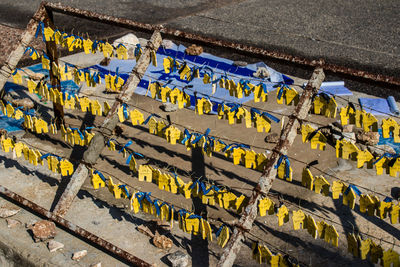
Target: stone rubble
(6, 212)
(179, 259)
(54, 245)
(11, 223)
(79, 255)
(43, 230)
(194, 50)
(161, 241)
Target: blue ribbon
(94, 45)
(287, 164)
(125, 146)
(45, 55)
(355, 189)
(187, 136)
(79, 132)
(40, 28)
(203, 188)
(67, 95)
(123, 186)
(245, 84)
(176, 180)
(100, 175)
(234, 145)
(50, 154)
(31, 49)
(387, 155)
(388, 199)
(264, 87)
(30, 112)
(125, 110)
(128, 160)
(15, 71)
(266, 114)
(194, 216)
(96, 77)
(219, 230)
(158, 206)
(121, 45)
(143, 195)
(198, 138)
(197, 182)
(66, 65)
(109, 140)
(280, 93)
(137, 50)
(149, 117)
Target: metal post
(97, 144)
(265, 183)
(52, 53)
(16, 55)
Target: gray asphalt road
(361, 34)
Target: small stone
(11, 223)
(79, 255)
(145, 230)
(271, 138)
(96, 264)
(178, 259)
(161, 241)
(368, 138)
(194, 50)
(167, 44)
(54, 245)
(348, 128)
(240, 63)
(379, 150)
(43, 230)
(169, 107)
(261, 72)
(8, 211)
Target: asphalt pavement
(360, 34)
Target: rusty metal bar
(98, 142)
(286, 140)
(114, 250)
(52, 53)
(196, 38)
(16, 55)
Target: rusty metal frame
(209, 41)
(82, 233)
